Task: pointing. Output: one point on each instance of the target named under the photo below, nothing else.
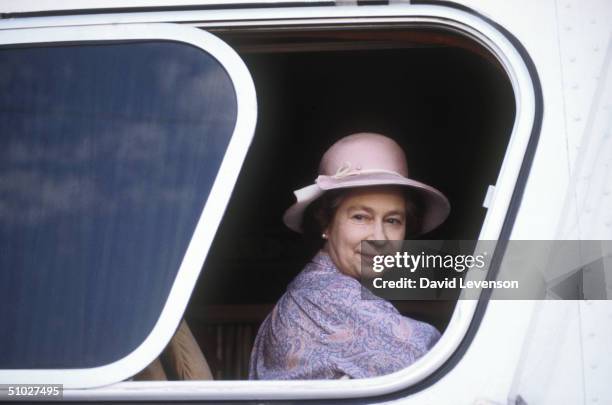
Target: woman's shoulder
(320, 275)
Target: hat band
(346, 170)
(322, 183)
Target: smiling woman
(325, 326)
(369, 213)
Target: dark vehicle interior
(442, 96)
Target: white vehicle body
(495, 352)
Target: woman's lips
(367, 256)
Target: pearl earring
(324, 236)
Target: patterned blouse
(322, 328)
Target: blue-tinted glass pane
(107, 156)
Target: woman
(322, 327)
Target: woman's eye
(394, 221)
(359, 217)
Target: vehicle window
(107, 156)
(444, 99)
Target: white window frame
(462, 22)
(210, 217)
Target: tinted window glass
(107, 155)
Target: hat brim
(435, 207)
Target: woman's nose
(378, 231)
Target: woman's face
(369, 213)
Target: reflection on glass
(107, 156)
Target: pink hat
(367, 159)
